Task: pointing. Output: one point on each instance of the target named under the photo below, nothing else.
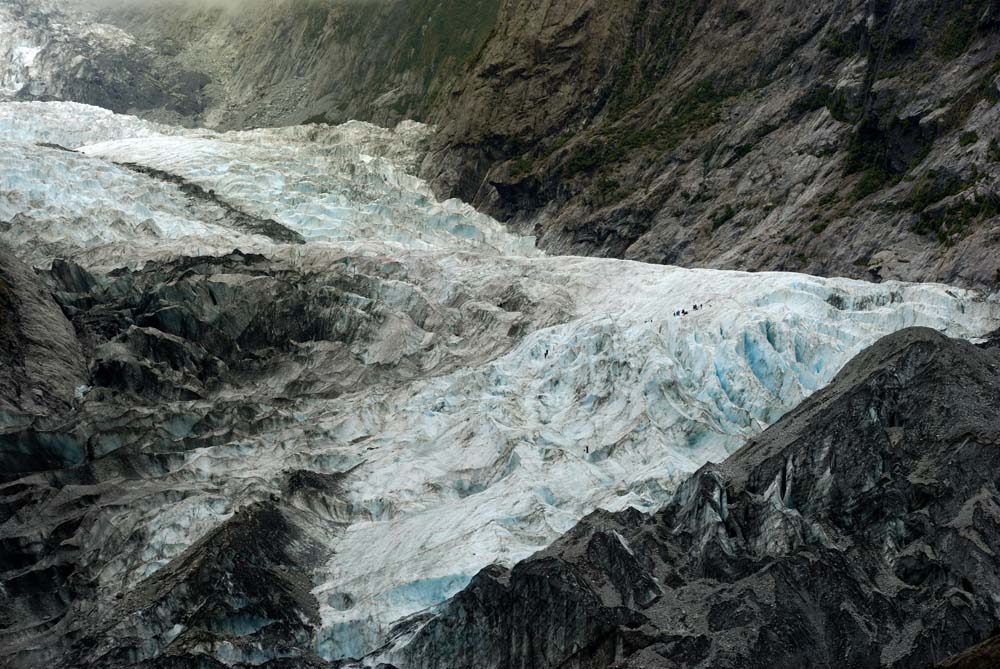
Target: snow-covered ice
(55, 202)
(606, 403)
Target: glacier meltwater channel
(584, 391)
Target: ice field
(498, 438)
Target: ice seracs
(611, 409)
(72, 125)
(510, 393)
(326, 191)
(57, 203)
(346, 184)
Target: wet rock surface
(239, 65)
(843, 139)
(860, 530)
(980, 656)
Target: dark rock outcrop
(249, 63)
(981, 656)
(186, 367)
(41, 359)
(860, 530)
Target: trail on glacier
(499, 396)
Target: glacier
(506, 394)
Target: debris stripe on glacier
(345, 183)
(56, 202)
(324, 193)
(489, 463)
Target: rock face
(42, 361)
(50, 51)
(860, 530)
(845, 138)
(982, 656)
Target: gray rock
(42, 361)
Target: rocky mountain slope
(849, 138)
(861, 530)
(271, 400)
(242, 63)
(981, 656)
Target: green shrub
(819, 97)
(993, 151)
(968, 138)
(957, 219)
(828, 199)
(872, 180)
(587, 156)
(722, 216)
(958, 33)
(739, 153)
(813, 99)
(933, 188)
(522, 165)
(841, 46)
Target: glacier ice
(55, 202)
(72, 125)
(326, 190)
(606, 400)
(344, 184)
